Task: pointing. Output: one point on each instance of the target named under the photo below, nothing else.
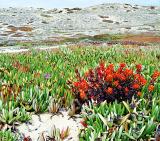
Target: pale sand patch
(44, 123)
(19, 49)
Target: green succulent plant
(54, 105)
(43, 80)
(41, 101)
(7, 136)
(57, 135)
(109, 124)
(11, 113)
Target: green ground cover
(37, 82)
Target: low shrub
(110, 84)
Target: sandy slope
(29, 24)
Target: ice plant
(107, 83)
(64, 133)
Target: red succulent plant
(108, 83)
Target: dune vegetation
(115, 90)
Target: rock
(76, 9)
(46, 16)
(103, 17)
(108, 21)
(44, 22)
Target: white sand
(45, 122)
(20, 49)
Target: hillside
(29, 24)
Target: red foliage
(135, 86)
(155, 75)
(84, 123)
(109, 90)
(150, 88)
(139, 68)
(106, 83)
(27, 139)
(116, 83)
(82, 94)
(139, 93)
